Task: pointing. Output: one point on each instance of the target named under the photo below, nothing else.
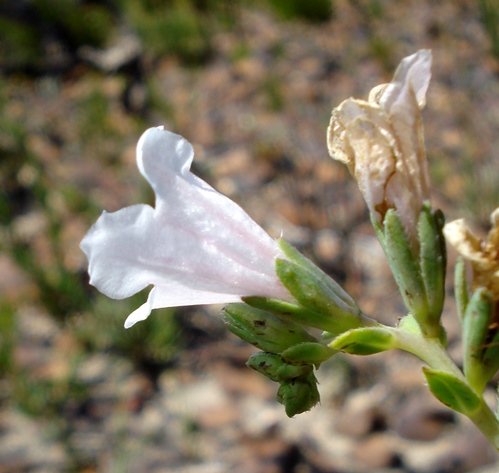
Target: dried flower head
(482, 254)
(381, 142)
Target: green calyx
(299, 395)
(433, 260)
(419, 272)
(320, 301)
(298, 385)
(263, 329)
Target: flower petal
(464, 241)
(162, 156)
(175, 295)
(112, 247)
(361, 137)
(482, 254)
(413, 73)
(402, 100)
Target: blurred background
(251, 84)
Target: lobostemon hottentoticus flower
(195, 246)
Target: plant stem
(431, 351)
(488, 423)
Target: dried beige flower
(482, 254)
(381, 142)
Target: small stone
(421, 418)
(377, 451)
(360, 414)
(127, 48)
(327, 245)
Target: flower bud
(299, 395)
(298, 386)
(274, 367)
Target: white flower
(381, 142)
(195, 246)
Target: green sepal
(336, 291)
(432, 259)
(267, 364)
(293, 312)
(476, 335)
(263, 329)
(289, 371)
(461, 290)
(299, 395)
(308, 352)
(313, 291)
(298, 385)
(365, 341)
(452, 391)
(491, 353)
(275, 368)
(378, 229)
(406, 271)
(410, 325)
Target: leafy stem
(451, 386)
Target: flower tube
(195, 246)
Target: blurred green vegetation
(489, 10)
(315, 11)
(183, 29)
(79, 22)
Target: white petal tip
(140, 314)
(129, 323)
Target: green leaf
(365, 341)
(308, 352)
(452, 391)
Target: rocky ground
(78, 393)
